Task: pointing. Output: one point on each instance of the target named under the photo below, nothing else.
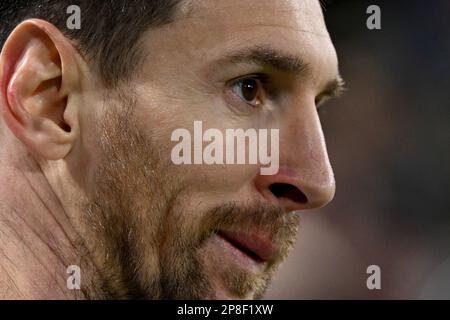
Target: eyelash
(320, 100)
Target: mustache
(256, 217)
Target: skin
(85, 172)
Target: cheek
(217, 183)
(204, 189)
(160, 117)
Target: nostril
(288, 191)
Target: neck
(38, 240)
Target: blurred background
(388, 139)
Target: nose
(295, 190)
(305, 179)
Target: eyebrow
(269, 57)
(333, 89)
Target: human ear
(39, 80)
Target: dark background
(388, 138)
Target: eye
(250, 90)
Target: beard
(146, 243)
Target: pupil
(249, 89)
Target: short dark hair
(110, 29)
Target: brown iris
(249, 89)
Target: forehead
(207, 29)
(296, 15)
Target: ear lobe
(38, 77)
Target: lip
(257, 246)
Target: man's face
(211, 231)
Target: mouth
(258, 248)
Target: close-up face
(222, 228)
(161, 227)
(190, 150)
